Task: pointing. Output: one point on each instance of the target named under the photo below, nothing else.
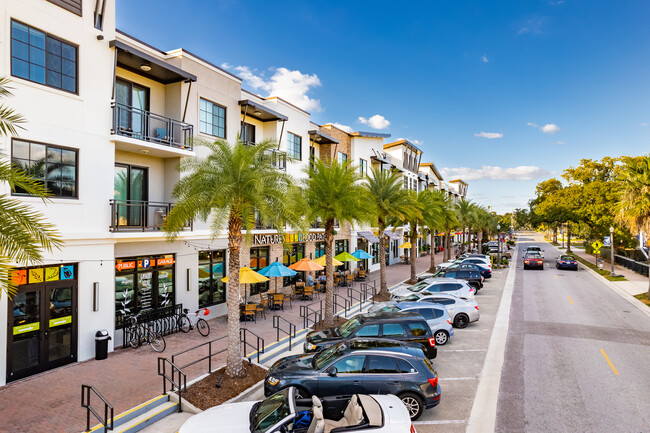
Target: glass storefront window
(259, 258)
(395, 249)
(320, 250)
(212, 268)
(339, 247)
(374, 251)
(293, 253)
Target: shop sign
(145, 263)
(19, 277)
(165, 261)
(52, 274)
(36, 275)
(123, 266)
(288, 239)
(67, 272)
(60, 321)
(28, 327)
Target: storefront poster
(36, 275)
(28, 327)
(19, 277)
(52, 274)
(67, 272)
(60, 321)
(145, 286)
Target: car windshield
(533, 256)
(328, 355)
(419, 286)
(409, 298)
(566, 258)
(349, 327)
(534, 249)
(270, 411)
(390, 308)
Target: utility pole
(611, 249)
(499, 245)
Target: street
(576, 355)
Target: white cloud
(376, 122)
(533, 25)
(550, 128)
(345, 128)
(226, 65)
(560, 142)
(644, 124)
(484, 59)
(522, 172)
(533, 124)
(489, 135)
(290, 85)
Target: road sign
(606, 241)
(597, 245)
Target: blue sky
(501, 93)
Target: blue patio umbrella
(276, 269)
(362, 255)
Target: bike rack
(292, 329)
(182, 379)
(85, 402)
(242, 339)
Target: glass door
(130, 193)
(24, 352)
(135, 105)
(61, 346)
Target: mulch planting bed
(204, 394)
(381, 298)
(338, 321)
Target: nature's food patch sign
(40, 275)
(288, 239)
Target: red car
(533, 260)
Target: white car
(461, 310)
(430, 286)
(534, 249)
(283, 413)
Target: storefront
(212, 268)
(342, 245)
(143, 284)
(291, 254)
(259, 259)
(369, 243)
(42, 320)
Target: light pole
(562, 234)
(498, 245)
(611, 249)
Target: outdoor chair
(249, 311)
(308, 293)
(261, 308)
(349, 278)
(278, 301)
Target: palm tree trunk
(555, 235)
(447, 251)
(328, 320)
(480, 241)
(432, 264)
(234, 359)
(383, 287)
(414, 250)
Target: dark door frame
(145, 190)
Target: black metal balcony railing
(144, 125)
(136, 215)
(276, 158)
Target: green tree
(464, 213)
(228, 188)
(332, 190)
(634, 205)
(434, 216)
(483, 223)
(413, 215)
(387, 204)
(24, 232)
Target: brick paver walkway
(50, 402)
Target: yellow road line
(570, 300)
(609, 362)
(555, 276)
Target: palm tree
(634, 204)
(449, 223)
(483, 222)
(228, 188)
(434, 218)
(24, 233)
(388, 203)
(464, 215)
(413, 215)
(332, 190)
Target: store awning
(390, 235)
(369, 237)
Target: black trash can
(101, 344)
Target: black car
(365, 366)
(566, 262)
(407, 327)
(473, 277)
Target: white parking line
(458, 378)
(463, 350)
(441, 421)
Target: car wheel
(461, 321)
(525, 267)
(302, 393)
(441, 337)
(414, 404)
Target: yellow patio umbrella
(321, 261)
(247, 276)
(405, 245)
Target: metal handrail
(346, 303)
(366, 287)
(292, 329)
(359, 297)
(140, 215)
(85, 402)
(306, 311)
(145, 125)
(242, 339)
(198, 346)
(181, 386)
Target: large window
(320, 250)
(56, 167)
(212, 119)
(291, 254)
(294, 146)
(248, 133)
(363, 167)
(259, 259)
(212, 268)
(374, 252)
(339, 247)
(395, 249)
(42, 58)
(342, 157)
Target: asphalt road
(577, 355)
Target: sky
(503, 94)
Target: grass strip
(643, 297)
(602, 272)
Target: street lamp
(611, 249)
(498, 245)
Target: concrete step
(154, 406)
(149, 418)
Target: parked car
(474, 278)
(460, 288)
(534, 249)
(436, 316)
(285, 412)
(406, 327)
(361, 367)
(566, 262)
(533, 260)
(480, 256)
(461, 310)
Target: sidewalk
(50, 401)
(635, 284)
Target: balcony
(276, 158)
(136, 215)
(161, 134)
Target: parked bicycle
(188, 321)
(141, 332)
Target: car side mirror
(332, 372)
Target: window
(437, 313)
(427, 313)
(350, 365)
(393, 330)
(100, 8)
(56, 167)
(406, 182)
(382, 364)
(212, 268)
(368, 331)
(291, 254)
(259, 258)
(417, 329)
(443, 301)
(405, 366)
(212, 119)
(319, 249)
(294, 146)
(363, 167)
(248, 133)
(342, 157)
(42, 58)
(374, 252)
(73, 6)
(395, 249)
(339, 247)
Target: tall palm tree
(449, 223)
(388, 203)
(24, 233)
(464, 215)
(634, 204)
(483, 224)
(414, 216)
(332, 190)
(434, 218)
(227, 188)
